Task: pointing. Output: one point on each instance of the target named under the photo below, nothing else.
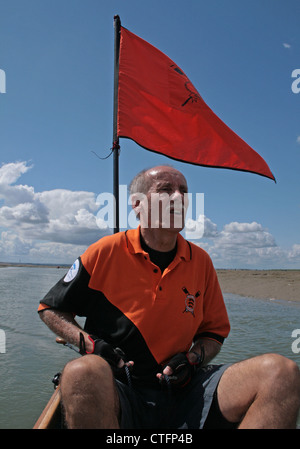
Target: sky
(56, 109)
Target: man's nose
(177, 194)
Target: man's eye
(164, 189)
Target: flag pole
(116, 146)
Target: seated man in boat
(155, 319)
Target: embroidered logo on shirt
(190, 301)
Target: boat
(51, 416)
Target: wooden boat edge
(51, 415)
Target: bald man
(155, 319)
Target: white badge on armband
(72, 271)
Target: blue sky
(57, 56)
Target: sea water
(30, 357)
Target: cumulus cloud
(14, 248)
(202, 227)
(294, 253)
(246, 245)
(58, 216)
(249, 235)
(57, 253)
(286, 45)
(56, 226)
(10, 173)
(11, 244)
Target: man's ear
(135, 203)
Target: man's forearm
(211, 349)
(64, 325)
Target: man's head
(159, 197)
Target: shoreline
(281, 284)
(32, 265)
(261, 284)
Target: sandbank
(264, 284)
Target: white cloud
(58, 225)
(57, 253)
(247, 245)
(286, 45)
(11, 244)
(294, 253)
(14, 248)
(10, 173)
(57, 216)
(298, 139)
(202, 227)
(248, 235)
(242, 227)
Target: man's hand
(114, 356)
(179, 369)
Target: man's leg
(261, 392)
(89, 395)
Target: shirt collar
(184, 249)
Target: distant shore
(264, 284)
(35, 265)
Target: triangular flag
(160, 109)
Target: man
(155, 319)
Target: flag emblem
(190, 301)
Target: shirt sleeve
(71, 293)
(215, 324)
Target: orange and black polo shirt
(128, 302)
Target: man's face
(165, 204)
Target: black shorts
(187, 408)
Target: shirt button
(160, 288)
(155, 270)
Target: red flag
(160, 109)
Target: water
(32, 357)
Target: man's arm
(65, 326)
(211, 349)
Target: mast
(116, 146)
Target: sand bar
(265, 284)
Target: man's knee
(277, 367)
(270, 378)
(84, 370)
(89, 395)
(269, 374)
